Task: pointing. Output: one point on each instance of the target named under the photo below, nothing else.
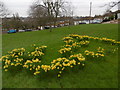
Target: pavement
(3, 32)
(111, 22)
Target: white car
(21, 30)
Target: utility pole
(72, 18)
(90, 11)
(90, 8)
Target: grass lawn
(95, 74)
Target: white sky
(81, 7)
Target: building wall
(118, 15)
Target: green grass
(95, 74)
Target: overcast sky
(81, 7)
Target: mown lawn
(95, 74)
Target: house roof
(111, 13)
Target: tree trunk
(50, 28)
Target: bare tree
(58, 8)
(67, 9)
(3, 10)
(110, 5)
(50, 10)
(16, 22)
(67, 12)
(3, 14)
(113, 4)
(53, 10)
(38, 14)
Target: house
(98, 18)
(112, 15)
(83, 20)
(118, 14)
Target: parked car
(82, 23)
(95, 22)
(12, 31)
(47, 27)
(27, 30)
(21, 30)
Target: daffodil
(6, 70)
(58, 75)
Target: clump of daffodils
(79, 37)
(41, 48)
(65, 51)
(36, 66)
(108, 40)
(68, 42)
(75, 45)
(67, 38)
(15, 53)
(38, 52)
(74, 36)
(35, 54)
(61, 64)
(16, 57)
(84, 43)
(85, 37)
(100, 50)
(13, 58)
(98, 54)
(77, 57)
(46, 67)
(33, 65)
